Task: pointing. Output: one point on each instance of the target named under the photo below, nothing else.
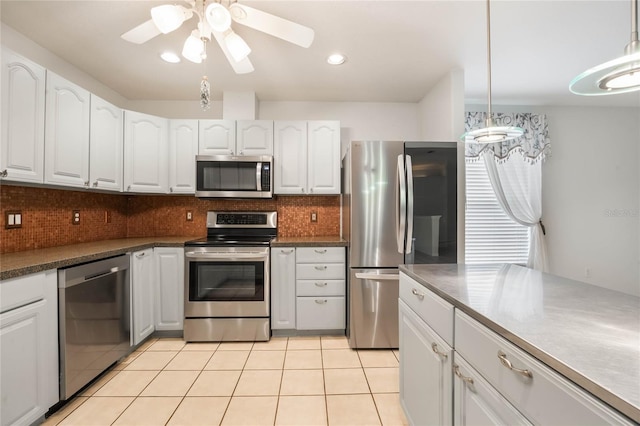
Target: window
(490, 235)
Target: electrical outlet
(189, 216)
(107, 216)
(314, 217)
(75, 217)
(13, 219)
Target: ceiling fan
(214, 19)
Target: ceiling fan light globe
(193, 48)
(168, 17)
(238, 48)
(218, 17)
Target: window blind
(490, 235)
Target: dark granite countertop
(14, 265)
(322, 241)
(589, 334)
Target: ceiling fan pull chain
(205, 93)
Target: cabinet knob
(4, 173)
(456, 370)
(86, 183)
(171, 189)
(95, 184)
(302, 189)
(129, 188)
(524, 372)
(241, 152)
(231, 152)
(310, 189)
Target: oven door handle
(227, 256)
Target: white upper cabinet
(23, 94)
(290, 157)
(217, 137)
(105, 145)
(323, 151)
(254, 137)
(183, 148)
(66, 133)
(307, 157)
(145, 153)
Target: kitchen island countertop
(589, 334)
(21, 263)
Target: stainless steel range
(227, 282)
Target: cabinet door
(145, 153)
(142, 278)
(323, 143)
(23, 93)
(105, 145)
(29, 354)
(425, 371)
(169, 291)
(476, 402)
(183, 148)
(290, 157)
(254, 137)
(66, 133)
(217, 137)
(283, 288)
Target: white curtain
(515, 172)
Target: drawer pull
(434, 348)
(461, 376)
(321, 284)
(321, 301)
(321, 268)
(417, 294)
(323, 251)
(507, 363)
(287, 251)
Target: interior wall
(441, 111)
(590, 196)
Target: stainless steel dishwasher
(94, 320)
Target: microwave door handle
(409, 241)
(258, 176)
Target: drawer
(435, 311)
(320, 288)
(20, 291)
(320, 255)
(322, 271)
(544, 398)
(320, 313)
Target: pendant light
(490, 133)
(620, 75)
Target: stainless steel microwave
(232, 176)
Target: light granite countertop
(14, 265)
(326, 241)
(588, 334)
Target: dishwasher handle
(377, 277)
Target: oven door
(226, 282)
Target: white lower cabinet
(28, 347)
(142, 279)
(283, 288)
(169, 289)
(425, 371)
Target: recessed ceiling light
(170, 57)
(336, 59)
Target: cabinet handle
(86, 183)
(503, 359)
(302, 189)
(231, 152)
(171, 189)
(461, 376)
(4, 173)
(140, 255)
(287, 251)
(129, 188)
(434, 348)
(321, 268)
(241, 152)
(310, 189)
(95, 184)
(320, 251)
(321, 301)
(417, 294)
(321, 284)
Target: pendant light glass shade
(169, 17)
(621, 75)
(218, 17)
(490, 133)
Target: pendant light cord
(634, 23)
(489, 113)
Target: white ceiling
(396, 49)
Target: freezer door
(373, 308)
(372, 194)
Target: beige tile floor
(286, 381)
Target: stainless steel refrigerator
(399, 202)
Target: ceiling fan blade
(142, 33)
(243, 67)
(271, 24)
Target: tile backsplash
(47, 216)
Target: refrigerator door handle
(401, 204)
(377, 277)
(409, 205)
